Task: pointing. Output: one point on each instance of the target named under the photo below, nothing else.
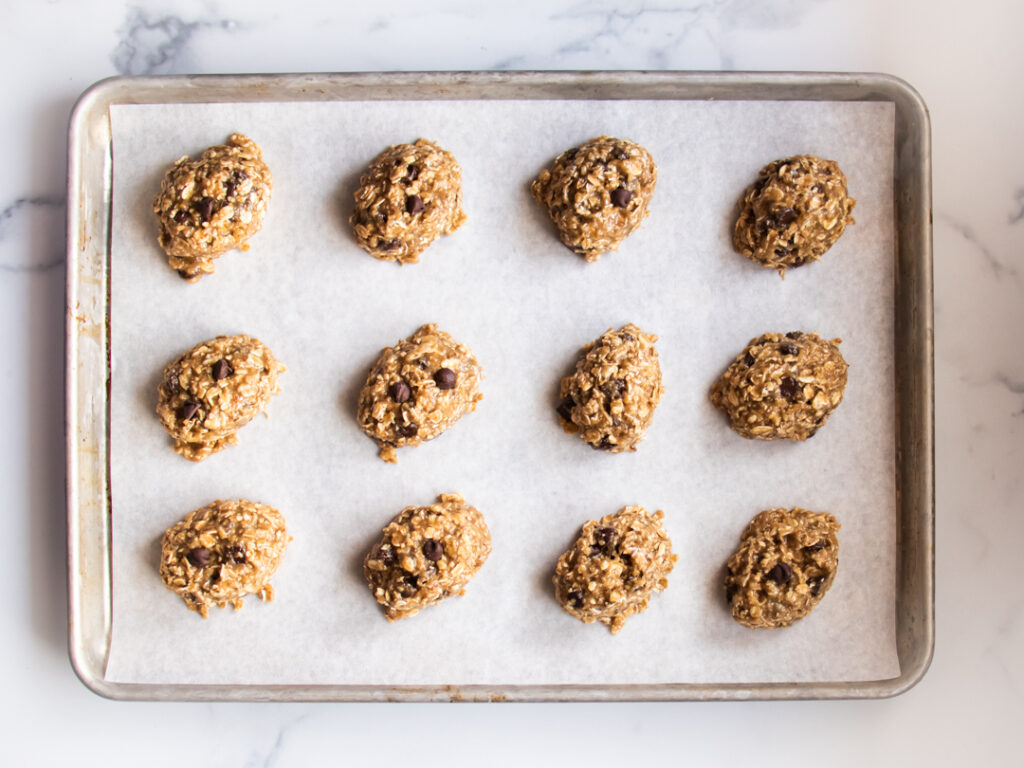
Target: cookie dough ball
(615, 565)
(609, 400)
(793, 213)
(410, 196)
(785, 564)
(222, 552)
(212, 205)
(213, 390)
(417, 389)
(782, 387)
(597, 194)
(427, 554)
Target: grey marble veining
(276, 754)
(993, 262)
(667, 34)
(31, 234)
(1018, 202)
(151, 44)
(1015, 386)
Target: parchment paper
(505, 286)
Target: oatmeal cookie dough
(609, 400)
(793, 213)
(427, 554)
(213, 390)
(597, 194)
(615, 565)
(222, 552)
(785, 564)
(417, 389)
(212, 205)
(782, 387)
(409, 196)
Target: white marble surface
(966, 60)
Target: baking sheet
(503, 285)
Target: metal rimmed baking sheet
(911, 353)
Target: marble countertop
(966, 63)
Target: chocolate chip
(413, 173)
(221, 370)
(391, 245)
(180, 216)
(386, 554)
(188, 410)
(240, 176)
(410, 581)
(605, 445)
(626, 336)
(815, 583)
(565, 409)
(794, 334)
(186, 274)
(171, 382)
(413, 204)
(780, 574)
(614, 388)
(621, 197)
(408, 430)
(798, 262)
(785, 217)
(605, 534)
(399, 392)
(445, 378)
(782, 252)
(199, 557)
(815, 547)
(432, 550)
(205, 208)
(748, 359)
(790, 389)
(576, 596)
(788, 349)
(229, 189)
(237, 555)
(605, 539)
